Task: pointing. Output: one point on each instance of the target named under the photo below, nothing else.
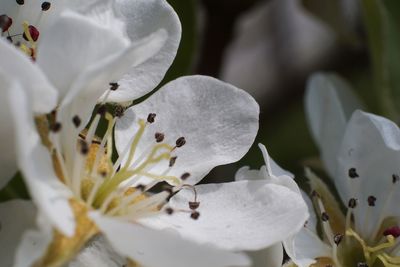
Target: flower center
(349, 246)
(22, 33)
(113, 187)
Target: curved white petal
(329, 103)
(143, 17)
(305, 245)
(98, 253)
(34, 243)
(371, 145)
(245, 215)
(268, 257)
(17, 66)
(218, 121)
(154, 248)
(48, 193)
(73, 44)
(16, 216)
(273, 168)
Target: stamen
(46, 6)
(56, 127)
(159, 137)
(20, 2)
(102, 110)
(353, 173)
(337, 239)
(172, 161)
(77, 121)
(371, 201)
(393, 231)
(5, 22)
(31, 34)
(185, 176)
(195, 215)
(169, 211)
(181, 141)
(114, 86)
(151, 117)
(119, 111)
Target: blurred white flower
(360, 152)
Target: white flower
(282, 183)
(68, 54)
(361, 153)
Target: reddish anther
(393, 231)
(5, 22)
(34, 32)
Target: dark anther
(194, 205)
(141, 187)
(169, 211)
(20, 2)
(195, 215)
(393, 231)
(84, 147)
(337, 239)
(33, 32)
(172, 161)
(119, 167)
(56, 127)
(395, 178)
(371, 201)
(185, 176)
(77, 121)
(5, 22)
(151, 117)
(103, 173)
(353, 173)
(159, 137)
(181, 141)
(352, 203)
(324, 217)
(362, 264)
(102, 110)
(114, 86)
(9, 38)
(119, 111)
(46, 6)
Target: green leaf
(382, 18)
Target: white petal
(305, 245)
(371, 145)
(16, 216)
(272, 167)
(154, 248)
(268, 257)
(83, 44)
(17, 66)
(34, 243)
(329, 103)
(245, 173)
(245, 215)
(98, 253)
(48, 193)
(218, 121)
(143, 17)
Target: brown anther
(337, 239)
(181, 141)
(371, 201)
(393, 231)
(140, 187)
(169, 211)
(159, 137)
(151, 117)
(76, 121)
(5, 22)
(114, 86)
(194, 205)
(33, 32)
(353, 173)
(352, 203)
(20, 2)
(102, 110)
(324, 217)
(362, 264)
(172, 161)
(56, 127)
(195, 215)
(103, 174)
(46, 6)
(119, 111)
(185, 176)
(315, 194)
(395, 178)
(84, 147)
